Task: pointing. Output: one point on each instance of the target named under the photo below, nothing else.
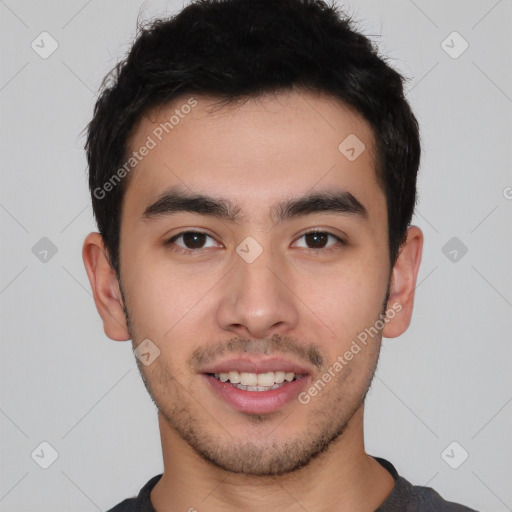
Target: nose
(258, 300)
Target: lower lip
(257, 402)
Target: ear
(105, 287)
(403, 284)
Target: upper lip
(251, 364)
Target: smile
(257, 381)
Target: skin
(290, 299)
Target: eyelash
(170, 241)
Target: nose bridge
(256, 299)
(256, 275)
(255, 270)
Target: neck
(342, 479)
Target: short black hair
(238, 49)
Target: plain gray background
(447, 379)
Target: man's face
(256, 294)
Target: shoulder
(140, 503)
(406, 497)
(128, 505)
(426, 499)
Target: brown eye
(319, 240)
(191, 240)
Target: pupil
(193, 240)
(317, 239)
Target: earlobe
(105, 287)
(403, 284)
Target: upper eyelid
(181, 233)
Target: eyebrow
(177, 200)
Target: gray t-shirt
(404, 497)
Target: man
(253, 175)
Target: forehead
(255, 152)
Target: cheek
(165, 299)
(346, 300)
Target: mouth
(256, 386)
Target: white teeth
(234, 377)
(249, 379)
(266, 379)
(257, 381)
(279, 377)
(256, 388)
